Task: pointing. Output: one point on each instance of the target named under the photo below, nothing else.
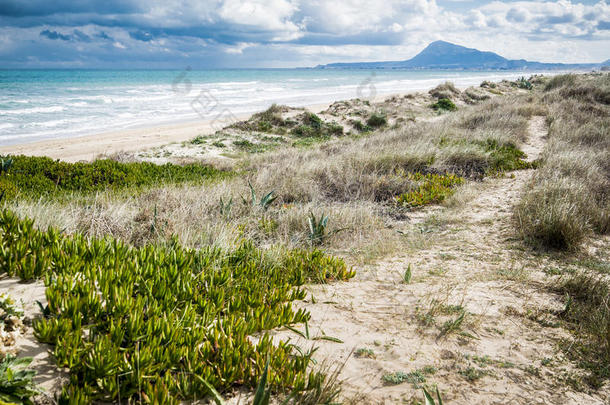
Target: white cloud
(300, 32)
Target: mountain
(445, 55)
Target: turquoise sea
(43, 104)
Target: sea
(50, 104)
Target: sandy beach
(89, 147)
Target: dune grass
(569, 196)
(354, 181)
(587, 313)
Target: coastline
(129, 138)
(90, 147)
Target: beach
(73, 116)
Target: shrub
(377, 120)
(523, 83)
(445, 90)
(504, 157)
(312, 120)
(42, 176)
(550, 214)
(162, 320)
(432, 189)
(360, 127)
(306, 131)
(444, 104)
(199, 140)
(334, 129)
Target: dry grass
(352, 180)
(569, 197)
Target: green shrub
(264, 126)
(377, 120)
(360, 127)
(444, 104)
(161, 319)
(504, 157)
(523, 83)
(42, 176)
(306, 131)
(199, 140)
(432, 189)
(16, 381)
(334, 129)
(313, 121)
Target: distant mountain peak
(445, 55)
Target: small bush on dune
(444, 104)
(445, 90)
(313, 120)
(377, 120)
(553, 214)
(523, 83)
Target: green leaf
(215, 395)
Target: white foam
(35, 110)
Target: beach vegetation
(416, 378)
(524, 83)
(445, 90)
(17, 380)
(113, 312)
(429, 400)
(431, 189)
(377, 120)
(365, 353)
(587, 314)
(200, 140)
(567, 198)
(35, 177)
(444, 104)
(360, 127)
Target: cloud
(291, 32)
(141, 35)
(54, 35)
(603, 25)
(76, 35)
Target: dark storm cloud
(25, 8)
(76, 35)
(54, 35)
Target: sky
(290, 33)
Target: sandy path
(461, 257)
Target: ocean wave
(35, 110)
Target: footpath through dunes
(473, 319)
